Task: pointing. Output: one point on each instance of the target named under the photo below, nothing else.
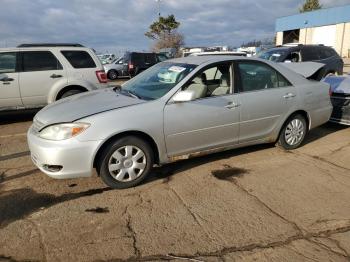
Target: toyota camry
(175, 110)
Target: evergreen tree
(310, 5)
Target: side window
(213, 81)
(79, 59)
(39, 61)
(293, 57)
(150, 59)
(282, 81)
(8, 62)
(310, 54)
(258, 76)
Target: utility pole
(158, 1)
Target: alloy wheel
(294, 132)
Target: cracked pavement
(253, 204)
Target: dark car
(306, 53)
(340, 97)
(132, 63)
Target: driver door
(209, 121)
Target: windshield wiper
(130, 93)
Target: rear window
(40, 61)
(79, 59)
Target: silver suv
(34, 75)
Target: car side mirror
(184, 96)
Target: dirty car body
(174, 110)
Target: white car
(34, 75)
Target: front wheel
(293, 132)
(125, 162)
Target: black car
(306, 53)
(132, 63)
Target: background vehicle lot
(232, 205)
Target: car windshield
(272, 55)
(157, 80)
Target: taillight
(101, 76)
(130, 65)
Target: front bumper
(341, 109)
(75, 157)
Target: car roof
(197, 60)
(16, 49)
(283, 48)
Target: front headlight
(63, 131)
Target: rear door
(266, 98)
(9, 85)
(40, 71)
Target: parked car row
(175, 109)
(132, 63)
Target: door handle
(232, 105)
(55, 76)
(289, 95)
(6, 79)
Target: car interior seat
(294, 57)
(199, 86)
(224, 87)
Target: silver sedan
(176, 110)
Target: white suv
(34, 75)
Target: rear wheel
(70, 93)
(112, 75)
(125, 162)
(293, 132)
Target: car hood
(83, 105)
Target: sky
(119, 25)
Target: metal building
(329, 26)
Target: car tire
(293, 132)
(112, 75)
(70, 93)
(125, 162)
